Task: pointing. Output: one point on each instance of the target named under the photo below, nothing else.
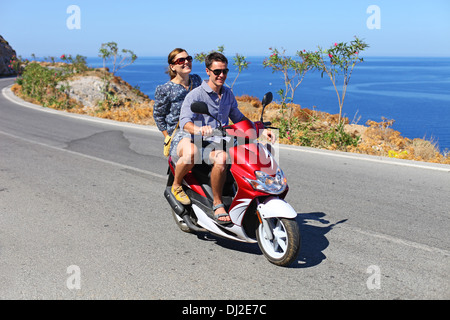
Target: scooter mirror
(267, 99)
(200, 107)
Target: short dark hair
(215, 56)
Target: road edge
(9, 95)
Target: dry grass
(128, 112)
(131, 104)
(376, 138)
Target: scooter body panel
(234, 232)
(246, 159)
(276, 208)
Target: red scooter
(253, 194)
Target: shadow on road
(251, 248)
(313, 229)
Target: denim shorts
(205, 149)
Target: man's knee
(220, 159)
(189, 153)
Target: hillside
(96, 92)
(373, 138)
(7, 55)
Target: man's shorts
(205, 147)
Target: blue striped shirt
(223, 108)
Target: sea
(415, 92)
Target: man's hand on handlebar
(204, 131)
(269, 135)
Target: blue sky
(248, 27)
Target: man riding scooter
(222, 105)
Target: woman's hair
(170, 61)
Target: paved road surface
(81, 199)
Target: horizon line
(248, 56)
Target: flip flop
(217, 216)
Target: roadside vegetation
(313, 128)
(72, 86)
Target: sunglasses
(217, 72)
(182, 60)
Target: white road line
(86, 156)
(8, 94)
(353, 229)
(404, 163)
(396, 240)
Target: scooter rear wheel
(283, 246)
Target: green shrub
(38, 81)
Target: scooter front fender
(276, 208)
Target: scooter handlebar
(218, 132)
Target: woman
(168, 100)
(169, 96)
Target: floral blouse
(168, 100)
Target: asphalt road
(82, 216)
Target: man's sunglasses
(217, 72)
(183, 60)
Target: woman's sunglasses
(217, 72)
(183, 60)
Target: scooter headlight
(270, 184)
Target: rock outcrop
(89, 89)
(6, 54)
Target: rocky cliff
(6, 54)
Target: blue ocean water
(415, 92)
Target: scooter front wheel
(279, 240)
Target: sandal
(220, 215)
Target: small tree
(75, 65)
(110, 50)
(240, 61)
(293, 71)
(339, 60)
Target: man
(223, 106)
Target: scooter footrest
(179, 209)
